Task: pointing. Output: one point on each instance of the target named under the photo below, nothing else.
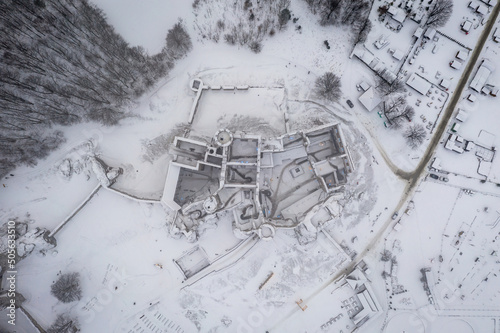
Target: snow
(123, 249)
(145, 23)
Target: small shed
(466, 26)
(455, 64)
(418, 33)
(364, 86)
(469, 146)
(430, 33)
(482, 9)
(462, 55)
(398, 54)
(462, 115)
(445, 83)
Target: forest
(61, 64)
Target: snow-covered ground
(145, 23)
(122, 248)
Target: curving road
(415, 176)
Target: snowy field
(145, 23)
(126, 257)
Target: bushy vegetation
(244, 23)
(62, 63)
(67, 288)
(328, 86)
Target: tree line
(62, 63)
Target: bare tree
(415, 135)
(64, 324)
(283, 17)
(364, 31)
(388, 89)
(440, 13)
(396, 111)
(178, 41)
(67, 288)
(386, 255)
(328, 86)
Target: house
(445, 84)
(369, 99)
(471, 98)
(482, 9)
(419, 83)
(462, 115)
(455, 64)
(418, 33)
(462, 55)
(490, 2)
(469, 146)
(364, 86)
(430, 33)
(398, 54)
(466, 26)
(397, 14)
(455, 127)
(482, 75)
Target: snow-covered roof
(365, 86)
(170, 186)
(445, 83)
(430, 33)
(480, 78)
(418, 33)
(482, 9)
(398, 54)
(462, 55)
(397, 14)
(466, 26)
(370, 99)
(455, 64)
(419, 83)
(490, 2)
(462, 115)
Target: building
(367, 306)
(466, 26)
(397, 14)
(462, 115)
(419, 83)
(430, 33)
(483, 73)
(369, 99)
(265, 182)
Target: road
(415, 176)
